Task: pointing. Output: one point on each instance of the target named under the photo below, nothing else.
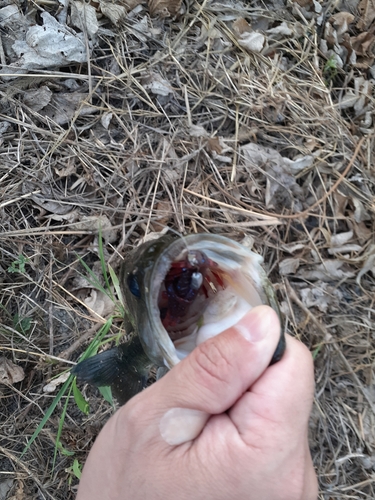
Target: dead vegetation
(247, 120)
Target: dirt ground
(244, 119)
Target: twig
(23, 466)
(267, 216)
(82, 339)
(306, 212)
(293, 296)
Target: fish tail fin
(124, 368)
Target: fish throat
(186, 291)
(202, 292)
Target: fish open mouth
(206, 289)
(179, 293)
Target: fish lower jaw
(213, 324)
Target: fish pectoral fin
(99, 370)
(124, 368)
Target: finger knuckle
(212, 364)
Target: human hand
(254, 418)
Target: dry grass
(145, 161)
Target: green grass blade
(77, 469)
(48, 413)
(106, 392)
(61, 423)
(316, 351)
(95, 343)
(103, 263)
(79, 399)
(91, 278)
(116, 285)
(93, 347)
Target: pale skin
(253, 445)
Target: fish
(178, 292)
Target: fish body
(178, 292)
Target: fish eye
(134, 285)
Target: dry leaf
(114, 12)
(37, 99)
(321, 296)
(345, 249)
(360, 213)
(253, 42)
(318, 9)
(142, 30)
(197, 131)
(14, 26)
(164, 208)
(99, 302)
(299, 164)
(358, 97)
(45, 199)
(289, 266)
(83, 16)
(284, 308)
(293, 247)
(5, 487)
(366, 9)
(222, 158)
(106, 119)
(364, 47)
(68, 170)
(247, 241)
(348, 100)
(241, 26)
(70, 217)
(164, 8)
(341, 21)
(96, 224)
(19, 493)
(362, 232)
(283, 30)
(369, 265)
(304, 3)
(153, 236)
(157, 85)
(341, 238)
(218, 145)
(11, 16)
(131, 4)
(169, 150)
(4, 126)
(328, 270)
(330, 36)
(56, 382)
(50, 45)
(10, 373)
(79, 283)
(281, 184)
(64, 106)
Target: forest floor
(122, 119)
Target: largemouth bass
(179, 292)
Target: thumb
(213, 377)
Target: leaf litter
(120, 120)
